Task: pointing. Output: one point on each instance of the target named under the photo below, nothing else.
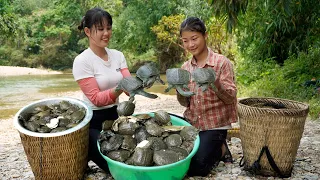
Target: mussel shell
(43, 113)
(187, 145)
(165, 156)
(105, 135)
(157, 143)
(71, 125)
(107, 124)
(127, 128)
(173, 140)
(142, 157)
(65, 105)
(143, 116)
(63, 122)
(112, 144)
(58, 129)
(141, 134)
(154, 129)
(72, 109)
(32, 126)
(162, 117)
(119, 155)
(189, 133)
(39, 109)
(33, 118)
(129, 143)
(182, 152)
(41, 121)
(43, 129)
(77, 116)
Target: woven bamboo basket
(279, 128)
(61, 155)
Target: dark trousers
(99, 116)
(209, 152)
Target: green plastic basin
(177, 170)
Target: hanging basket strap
(255, 168)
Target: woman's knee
(199, 168)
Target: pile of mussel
(53, 118)
(145, 140)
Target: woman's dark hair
(95, 17)
(193, 24)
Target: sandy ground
(15, 71)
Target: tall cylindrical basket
(270, 132)
(60, 155)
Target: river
(18, 91)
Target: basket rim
(306, 106)
(83, 123)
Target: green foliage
(135, 61)
(7, 20)
(197, 8)
(114, 7)
(168, 48)
(26, 7)
(314, 110)
(229, 10)
(131, 29)
(219, 39)
(276, 29)
(285, 81)
(303, 67)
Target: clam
(142, 157)
(58, 129)
(173, 140)
(189, 133)
(43, 129)
(128, 143)
(154, 129)
(165, 156)
(107, 124)
(119, 155)
(112, 144)
(77, 116)
(141, 134)
(172, 128)
(127, 128)
(65, 105)
(32, 126)
(157, 143)
(162, 117)
(181, 152)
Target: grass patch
(7, 113)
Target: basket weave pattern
(279, 129)
(61, 157)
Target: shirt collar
(208, 62)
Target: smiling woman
(16, 71)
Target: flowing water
(18, 91)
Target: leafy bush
(269, 80)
